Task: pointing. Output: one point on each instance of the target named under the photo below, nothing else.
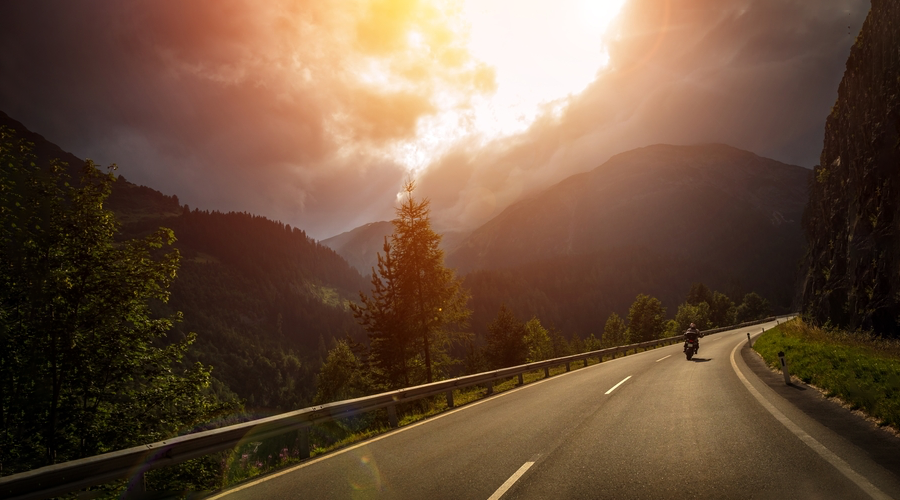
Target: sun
(542, 51)
(538, 52)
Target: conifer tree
(418, 307)
(382, 315)
(433, 298)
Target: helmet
(693, 325)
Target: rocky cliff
(853, 277)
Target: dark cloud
(294, 109)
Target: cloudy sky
(313, 112)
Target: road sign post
(784, 368)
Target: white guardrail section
(75, 475)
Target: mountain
(713, 201)
(265, 299)
(360, 246)
(652, 220)
(853, 277)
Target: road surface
(650, 425)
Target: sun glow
(542, 51)
(539, 52)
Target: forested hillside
(853, 279)
(266, 300)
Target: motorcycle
(690, 348)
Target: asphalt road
(651, 425)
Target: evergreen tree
(505, 340)
(382, 315)
(646, 319)
(418, 307)
(537, 341)
(614, 331)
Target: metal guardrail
(75, 475)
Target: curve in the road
(808, 440)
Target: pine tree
(382, 315)
(418, 307)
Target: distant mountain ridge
(360, 246)
(265, 299)
(687, 199)
(651, 220)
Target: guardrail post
(450, 398)
(521, 379)
(568, 367)
(392, 416)
(490, 387)
(586, 360)
(546, 372)
(304, 443)
(784, 368)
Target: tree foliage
(538, 345)
(418, 306)
(614, 332)
(697, 314)
(698, 294)
(752, 308)
(342, 376)
(84, 367)
(382, 316)
(646, 319)
(505, 340)
(721, 310)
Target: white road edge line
(808, 440)
(617, 385)
(511, 481)
(662, 358)
(341, 451)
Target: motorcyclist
(692, 333)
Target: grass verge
(859, 368)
